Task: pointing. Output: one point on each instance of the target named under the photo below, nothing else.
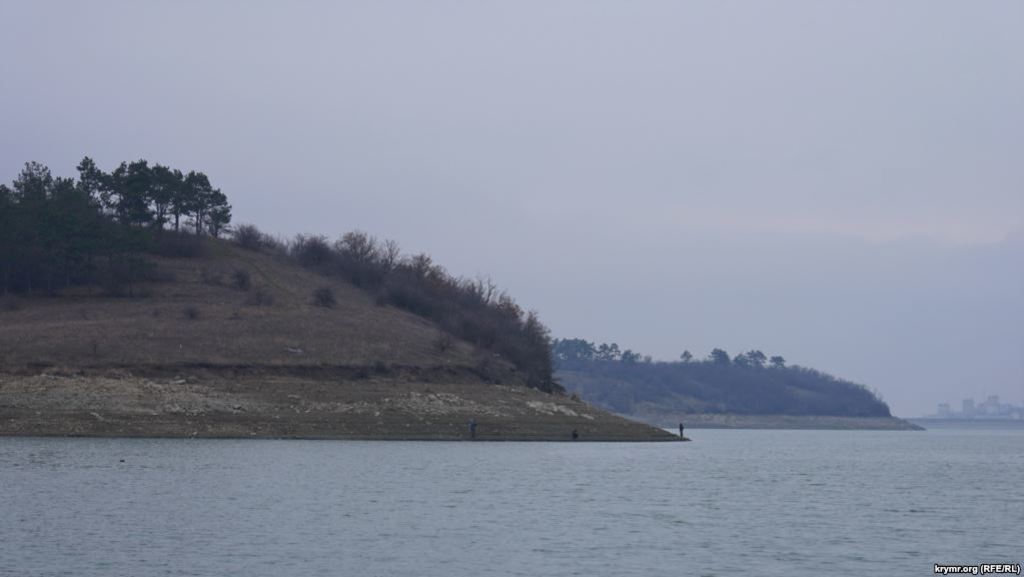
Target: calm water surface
(767, 502)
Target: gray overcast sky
(841, 183)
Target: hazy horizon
(838, 183)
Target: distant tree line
(56, 232)
(473, 310)
(748, 383)
(583, 350)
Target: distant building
(969, 408)
(991, 405)
(990, 408)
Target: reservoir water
(731, 502)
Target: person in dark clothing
(472, 428)
(681, 430)
(575, 434)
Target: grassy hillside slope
(198, 315)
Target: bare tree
(390, 254)
(360, 246)
(488, 289)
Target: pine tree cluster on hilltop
(56, 232)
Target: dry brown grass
(86, 329)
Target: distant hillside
(748, 384)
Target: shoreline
(939, 423)
(408, 405)
(780, 422)
(395, 439)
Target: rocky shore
(297, 402)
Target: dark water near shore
(732, 502)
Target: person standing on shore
(472, 428)
(681, 430)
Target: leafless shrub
(390, 254)
(324, 297)
(241, 279)
(249, 237)
(260, 297)
(312, 251)
(359, 246)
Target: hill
(721, 391)
(202, 354)
(115, 320)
